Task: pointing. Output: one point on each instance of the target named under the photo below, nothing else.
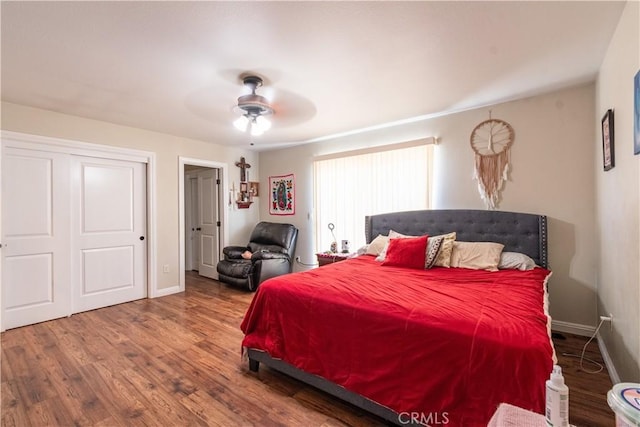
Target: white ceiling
(329, 67)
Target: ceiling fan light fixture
(253, 107)
(255, 104)
(262, 123)
(241, 123)
(256, 131)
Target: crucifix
(243, 169)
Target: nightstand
(330, 258)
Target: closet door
(36, 279)
(108, 236)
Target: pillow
(392, 235)
(516, 260)
(434, 247)
(377, 244)
(396, 235)
(476, 255)
(444, 258)
(407, 252)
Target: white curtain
(351, 187)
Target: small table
(329, 258)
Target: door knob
(141, 237)
(198, 229)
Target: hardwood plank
(124, 405)
(176, 360)
(13, 412)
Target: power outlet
(608, 319)
(165, 268)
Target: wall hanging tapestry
(491, 141)
(283, 197)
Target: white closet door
(108, 236)
(36, 282)
(208, 218)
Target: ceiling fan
(253, 107)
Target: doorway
(203, 216)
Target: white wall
(168, 148)
(617, 200)
(552, 174)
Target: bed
(423, 346)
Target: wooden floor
(587, 391)
(175, 361)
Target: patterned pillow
(434, 247)
(444, 258)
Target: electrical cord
(581, 356)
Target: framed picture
(282, 194)
(636, 114)
(608, 152)
(254, 188)
(243, 187)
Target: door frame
(224, 212)
(190, 249)
(68, 146)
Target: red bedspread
(446, 344)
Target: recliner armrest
(234, 252)
(265, 255)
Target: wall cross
(243, 165)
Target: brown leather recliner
(272, 245)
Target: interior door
(108, 237)
(194, 231)
(208, 215)
(36, 282)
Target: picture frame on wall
(608, 153)
(254, 188)
(282, 191)
(636, 113)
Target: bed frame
(518, 232)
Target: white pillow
(396, 235)
(516, 260)
(476, 255)
(377, 244)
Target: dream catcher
(491, 141)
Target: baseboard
(167, 291)
(572, 328)
(613, 374)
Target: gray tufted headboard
(518, 232)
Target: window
(349, 186)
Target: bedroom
(594, 241)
